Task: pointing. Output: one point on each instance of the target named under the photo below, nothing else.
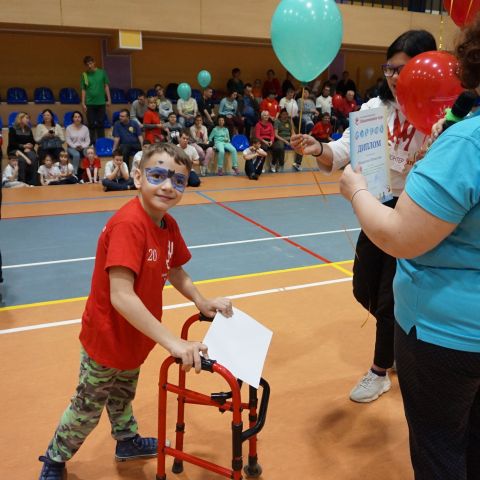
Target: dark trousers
(254, 166)
(278, 153)
(66, 181)
(96, 122)
(373, 272)
(128, 150)
(441, 396)
(28, 173)
(115, 185)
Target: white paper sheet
(240, 344)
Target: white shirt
(9, 174)
(65, 169)
(191, 152)
(110, 167)
(410, 143)
(290, 106)
(49, 174)
(324, 104)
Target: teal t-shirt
(439, 292)
(94, 85)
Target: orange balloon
(426, 86)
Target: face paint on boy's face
(158, 175)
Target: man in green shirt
(95, 96)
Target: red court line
(263, 227)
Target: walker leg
(252, 469)
(180, 425)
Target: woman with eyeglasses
(373, 269)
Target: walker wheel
(253, 471)
(177, 466)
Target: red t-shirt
(85, 165)
(153, 134)
(265, 132)
(321, 131)
(270, 105)
(130, 239)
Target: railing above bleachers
(421, 6)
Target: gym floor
(282, 249)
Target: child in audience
(91, 167)
(67, 170)
(173, 129)
(254, 157)
(137, 157)
(323, 129)
(152, 123)
(270, 105)
(116, 174)
(221, 140)
(192, 154)
(48, 172)
(10, 174)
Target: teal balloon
(184, 91)
(306, 36)
(204, 78)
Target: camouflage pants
(98, 387)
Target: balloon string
(440, 40)
(469, 7)
(301, 111)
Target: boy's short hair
(91, 147)
(172, 113)
(12, 157)
(117, 153)
(178, 155)
(88, 59)
(235, 70)
(255, 140)
(186, 132)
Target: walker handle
(206, 363)
(262, 412)
(204, 318)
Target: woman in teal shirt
(434, 231)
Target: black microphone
(460, 109)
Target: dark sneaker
(136, 447)
(52, 470)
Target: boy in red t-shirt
(90, 167)
(152, 123)
(138, 250)
(323, 129)
(270, 105)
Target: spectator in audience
(90, 167)
(78, 139)
(333, 81)
(152, 124)
(265, 132)
(228, 108)
(324, 101)
(127, 136)
(254, 157)
(235, 84)
(22, 144)
(66, 169)
(350, 103)
(248, 108)
(116, 174)
(187, 110)
(199, 135)
(49, 174)
(221, 140)
(173, 128)
(271, 83)
(192, 154)
(345, 84)
(270, 105)
(137, 157)
(374, 90)
(288, 84)
(308, 109)
(165, 107)
(322, 131)
(95, 96)
(315, 86)
(289, 103)
(138, 109)
(49, 136)
(10, 174)
(257, 90)
(206, 108)
(283, 132)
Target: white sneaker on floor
(273, 169)
(370, 387)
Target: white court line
(193, 247)
(187, 304)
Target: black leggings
(373, 272)
(441, 396)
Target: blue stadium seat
(115, 116)
(196, 94)
(133, 93)
(171, 92)
(69, 96)
(240, 142)
(118, 95)
(336, 136)
(1, 125)
(11, 118)
(104, 147)
(43, 95)
(67, 119)
(40, 118)
(16, 95)
(151, 92)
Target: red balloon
(426, 86)
(462, 11)
(337, 101)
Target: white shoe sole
(372, 399)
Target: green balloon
(184, 91)
(204, 78)
(306, 36)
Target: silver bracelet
(355, 192)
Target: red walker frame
(217, 400)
